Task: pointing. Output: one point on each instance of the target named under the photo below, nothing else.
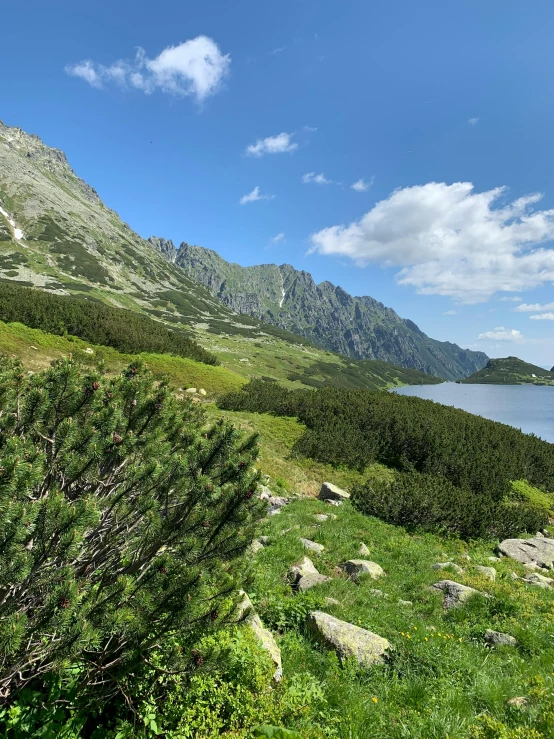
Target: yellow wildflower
(374, 699)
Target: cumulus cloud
(319, 179)
(473, 121)
(543, 317)
(534, 307)
(195, 67)
(501, 334)
(277, 239)
(254, 195)
(362, 185)
(449, 240)
(272, 145)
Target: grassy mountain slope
(511, 371)
(359, 327)
(56, 234)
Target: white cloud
(272, 145)
(501, 334)
(319, 179)
(534, 307)
(277, 239)
(450, 313)
(254, 195)
(195, 67)
(473, 121)
(310, 129)
(450, 240)
(543, 317)
(512, 299)
(362, 185)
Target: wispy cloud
(450, 313)
(449, 240)
(255, 195)
(534, 307)
(319, 179)
(280, 238)
(511, 299)
(501, 334)
(272, 145)
(278, 50)
(543, 317)
(196, 67)
(473, 121)
(362, 185)
(310, 129)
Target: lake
(527, 407)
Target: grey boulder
(539, 551)
(357, 567)
(363, 550)
(497, 638)
(488, 572)
(455, 594)
(332, 492)
(312, 546)
(448, 566)
(304, 575)
(347, 640)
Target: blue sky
(441, 110)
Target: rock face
(348, 640)
(245, 611)
(165, 247)
(357, 567)
(454, 593)
(332, 492)
(539, 551)
(327, 315)
(495, 638)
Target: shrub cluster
(100, 324)
(458, 467)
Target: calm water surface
(527, 407)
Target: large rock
(536, 579)
(312, 545)
(348, 640)
(454, 593)
(497, 638)
(332, 492)
(488, 572)
(304, 575)
(529, 551)
(246, 613)
(357, 567)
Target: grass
(442, 675)
(37, 349)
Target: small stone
(264, 540)
(88, 350)
(377, 593)
(256, 546)
(312, 545)
(357, 567)
(364, 550)
(540, 580)
(466, 557)
(336, 503)
(321, 517)
(202, 391)
(33, 347)
(191, 390)
(488, 572)
(273, 511)
(303, 568)
(448, 566)
(332, 601)
(494, 559)
(404, 602)
(519, 702)
(498, 638)
(332, 492)
(310, 581)
(454, 593)
(347, 640)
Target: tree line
(121, 329)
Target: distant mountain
(358, 327)
(56, 234)
(511, 371)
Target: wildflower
(438, 633)
(459, 640)
(426, 639)
(374, 699)
(409, 636)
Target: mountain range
(358, 327)
(58, 235)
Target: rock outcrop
(348, 640)
(332, 492)
(497, 638)
(538, 550)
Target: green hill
(511, 371)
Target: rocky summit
(359, 327)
